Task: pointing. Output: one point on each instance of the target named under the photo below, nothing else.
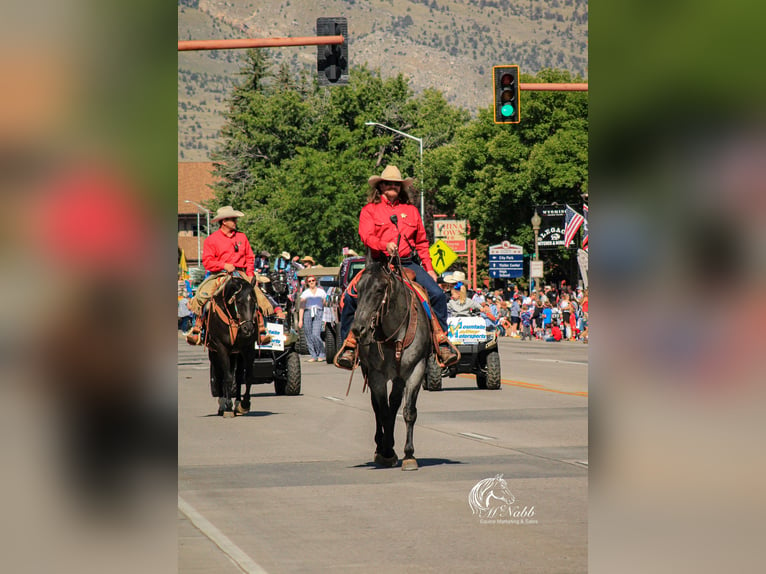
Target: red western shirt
(376, 229)
(219, 249)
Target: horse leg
(410, 413)
(384, 439)
(242, 405)
(228, 382)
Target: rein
(410, 318)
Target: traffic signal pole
(189, 45)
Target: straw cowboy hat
(391, 173)
(226, 212)
(308, 258)
(285, 255)
(456, 277)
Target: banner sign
(506, 260)
(552, 227)
(452, 232)
(467, 330)
(277, 332)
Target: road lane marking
(533, 387)
(558, 361)
(234, 552)
(336, 399)
(478, 436)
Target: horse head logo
(491, 498)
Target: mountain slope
(449, 45)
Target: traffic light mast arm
(188, 45)
(554, 87)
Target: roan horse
(394, 342)
(231, 333)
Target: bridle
(410, 318)
(230, 320)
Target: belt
(404, 260)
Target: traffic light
(506, 80)
(332, 59)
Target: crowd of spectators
(551, 313)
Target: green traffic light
(507, 110)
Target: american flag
(572, 222)
(585, 227)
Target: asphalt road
(291, 488)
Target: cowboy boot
(194, 336)
(446, 353)
(346, 357)
(263, 334)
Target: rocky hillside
(450, 45)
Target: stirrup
(345, 358)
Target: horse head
(240, 305)
(279, 283)
(374, 290)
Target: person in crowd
(515, 314)
(526, 323)
(185, 315)
(566, 311)
(261, 262)
(504, 320)
(282, 263)
(226, 251)
(584, 308)
(555, 335)
(537, 317)
(389, 195)
(547, 317)
(310, 317)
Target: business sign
(551, 233)
(506, 260)
(441, 256)
(452, 232)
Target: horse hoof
(228, 414)
(409, 464)
(387, 462)
(220, 412)
(240, 410)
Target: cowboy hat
(391, 173)
(226, 212)
(351, 253)
(264, 254)
(285, 255)
(456, 277)
(308, 258)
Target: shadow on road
(250, 414)
(421, 463)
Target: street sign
(441, 256)
(506, 260)
(536, 269)
(452, 232)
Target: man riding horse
(389, 225)
(225, 252)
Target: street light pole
(536, 221)
(420, 144)
(207, 213)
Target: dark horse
(231, 334)
(394, 336)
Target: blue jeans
(436, 295)
(312, 326)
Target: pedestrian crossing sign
(441, 256)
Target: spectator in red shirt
(389, 196)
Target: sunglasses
(312, 281)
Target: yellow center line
(534, 386)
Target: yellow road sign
(442, 256)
